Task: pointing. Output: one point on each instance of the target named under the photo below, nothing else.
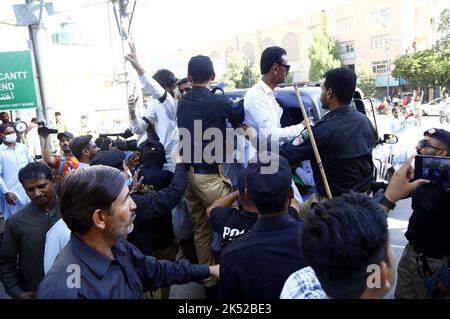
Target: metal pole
(313, 143)
(38, 41)
(388, 70)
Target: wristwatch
(386, 202)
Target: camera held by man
(44, 131)
(120, 143)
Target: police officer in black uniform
(345, 139)
(199, 110)
(423, 269)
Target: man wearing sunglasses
(262, 111)
(425, 259)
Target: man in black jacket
(345, 139)
(159, 193)
(22, 251)
(202, 112)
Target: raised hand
(400, 184)
(133, 59)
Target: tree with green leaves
(323, 55)
(428, 68)
(366, 80)
(240, 73)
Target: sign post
(17, 86)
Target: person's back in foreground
(346, 244)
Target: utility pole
(124, 16)
(38, 43)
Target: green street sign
(17, 88)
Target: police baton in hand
(313, 143)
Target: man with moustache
(22, 251)
(426, 259)
(63, 163)
(98, 262)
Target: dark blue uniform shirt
(80, 271)
(153, 227)
(212, 110)
(345, 139)
(257, 264)
(429, 225)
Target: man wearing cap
(160, 191)
(199, 111)
(428, 248)
(64, 163)
(13, 156)
(230, 222)
(256, 265)
(159, 120)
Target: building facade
(370, 33)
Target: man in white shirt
(262, 111)
(13, 156)
(160, 118)
(161, 111)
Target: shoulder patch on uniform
(297, 141)
(304, 135)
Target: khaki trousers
(201, 191)
(409, 283)
(314, 199)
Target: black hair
(165, 78)
(77, 144)
(200, 68)
(340, 238)
(86, 189)
(35, 170)
(343, 83)
(57, 113)
(270, 56)
(182, 81)
(34, 120)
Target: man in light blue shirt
(55, 240)
(13, 156)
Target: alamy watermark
(234, 147)
(74, 276)
(374, 279)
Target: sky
(161, 27)
(176, 24)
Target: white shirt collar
(265, 87)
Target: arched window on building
(268, 42)
(215, 55)
(249, 52)
(228, 53)
(290, 44)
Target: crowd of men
(91, 223)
